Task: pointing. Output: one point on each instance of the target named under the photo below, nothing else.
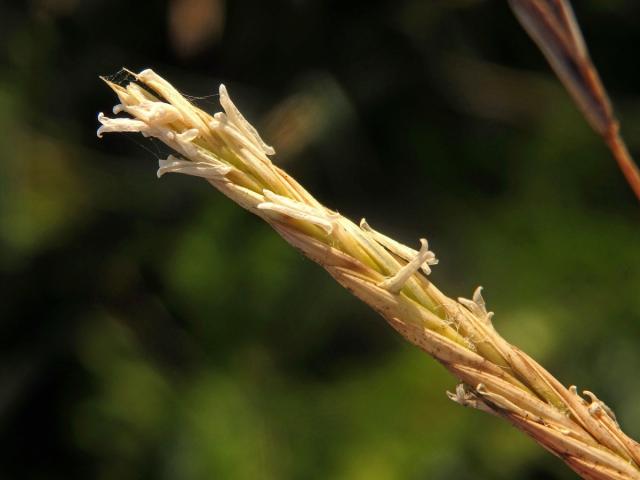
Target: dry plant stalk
(553, 26)
(390, 277)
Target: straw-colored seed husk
(390, 277)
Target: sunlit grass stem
(392, 278)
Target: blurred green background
(153, 330)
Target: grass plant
(392, 278)
(553, 26)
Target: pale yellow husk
(496, 377)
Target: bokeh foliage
(151, 329)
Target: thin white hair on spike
(402, 251)
(110, 125)
(596, 405)
(477, 306)
(467, 398)
(239, 121)
(395, 283)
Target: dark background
(153, 330)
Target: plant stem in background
(553, 27)
(495, 376)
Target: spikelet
(496, 377)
